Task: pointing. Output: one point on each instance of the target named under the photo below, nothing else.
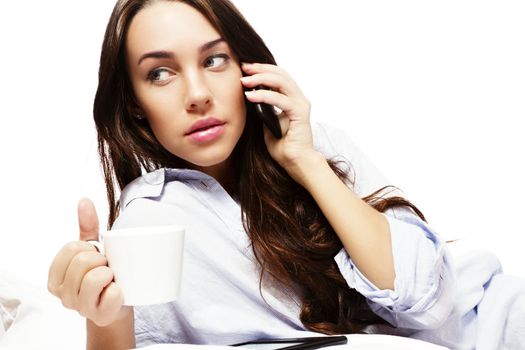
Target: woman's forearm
(119, 335)
(364, 232)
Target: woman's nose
(198, 98)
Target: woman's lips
(203, 123)
(207, 134)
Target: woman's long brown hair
(292, 240)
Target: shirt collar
(150, 185)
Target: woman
(279, 241)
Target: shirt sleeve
(423, 288)
(422, 297)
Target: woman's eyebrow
(171, 55)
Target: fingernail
(248, 93)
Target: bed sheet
(31, 318)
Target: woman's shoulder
(337, 145)
(158, 196)
(331, 140)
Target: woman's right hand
(80, 277)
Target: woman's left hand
(296, 145)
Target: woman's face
(183, 73)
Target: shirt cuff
(421, 266)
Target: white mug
(146, 262)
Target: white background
(433, 92)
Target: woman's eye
(159, 75)
(215, 61)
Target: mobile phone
(269, 117)
(293, 343)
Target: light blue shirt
(220, 301)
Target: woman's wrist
(118, 335)
(303, 169)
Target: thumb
(87, 220)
